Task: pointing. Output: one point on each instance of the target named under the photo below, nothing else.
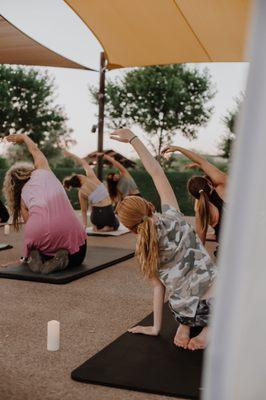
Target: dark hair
(72, 181)
(199, 188)
(112, 186)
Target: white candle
(6, 229)
(53, 335)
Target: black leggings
(4, 215)
(75, 259)
(104, 216)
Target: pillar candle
(53, 335)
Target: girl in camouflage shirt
(170, 254)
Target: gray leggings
(201, 317)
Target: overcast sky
(54, 24)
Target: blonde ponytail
(136, 214)
(204, 211)
(147, 248)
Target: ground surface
(92, 311)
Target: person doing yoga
(119, 184)
(53, 237)
(208, 191)
(92, 191)
(170, 254)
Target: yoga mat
(97, 258)
(146, 363)
(5, 246)
(120, 231)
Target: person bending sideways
(170, 254)
(92, 191)
(119, 184)
(208, 192)
(53, 237)
(4, 214)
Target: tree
(229, 121)
(162, 100)
(27, 104)
(3, 163)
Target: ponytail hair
(16, 177)
(112, 186)
(204, 211)
(136, 214)
(199, 188)
(72, 181)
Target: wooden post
(101, 98)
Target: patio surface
(93, 311)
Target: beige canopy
(18, 48)
(148, 32)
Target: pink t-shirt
(52, 222)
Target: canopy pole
(101, 101)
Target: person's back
(185, 267)
(52, 222)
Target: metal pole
(101, 98)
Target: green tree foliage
(27, 104)
(229, 121)
(162, 100)
(3, 163)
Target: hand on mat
(17, 138)
(122, 135)
(9, 263)
(145, 330)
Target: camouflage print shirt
(186, 269)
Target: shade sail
(149, 32)
(18, 48)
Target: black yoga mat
(5, 246)
(146, 363)
(97, 258)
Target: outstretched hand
(192, 166)
(145, 330)
(168, 150)
(16, 138)
(122, 135)
(67, 153)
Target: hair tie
(201, 190)
(145, 218)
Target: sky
(53, 23)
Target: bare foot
(200, 341)
(182, 338)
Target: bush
(177, 179)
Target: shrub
(177, 179)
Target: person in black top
(119, 184)
(208, 191)
(4, 214)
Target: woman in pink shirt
(54, 237)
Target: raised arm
(83, 163)
(218, 177)
(152, 166)
(116, 164)
(40, 161)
